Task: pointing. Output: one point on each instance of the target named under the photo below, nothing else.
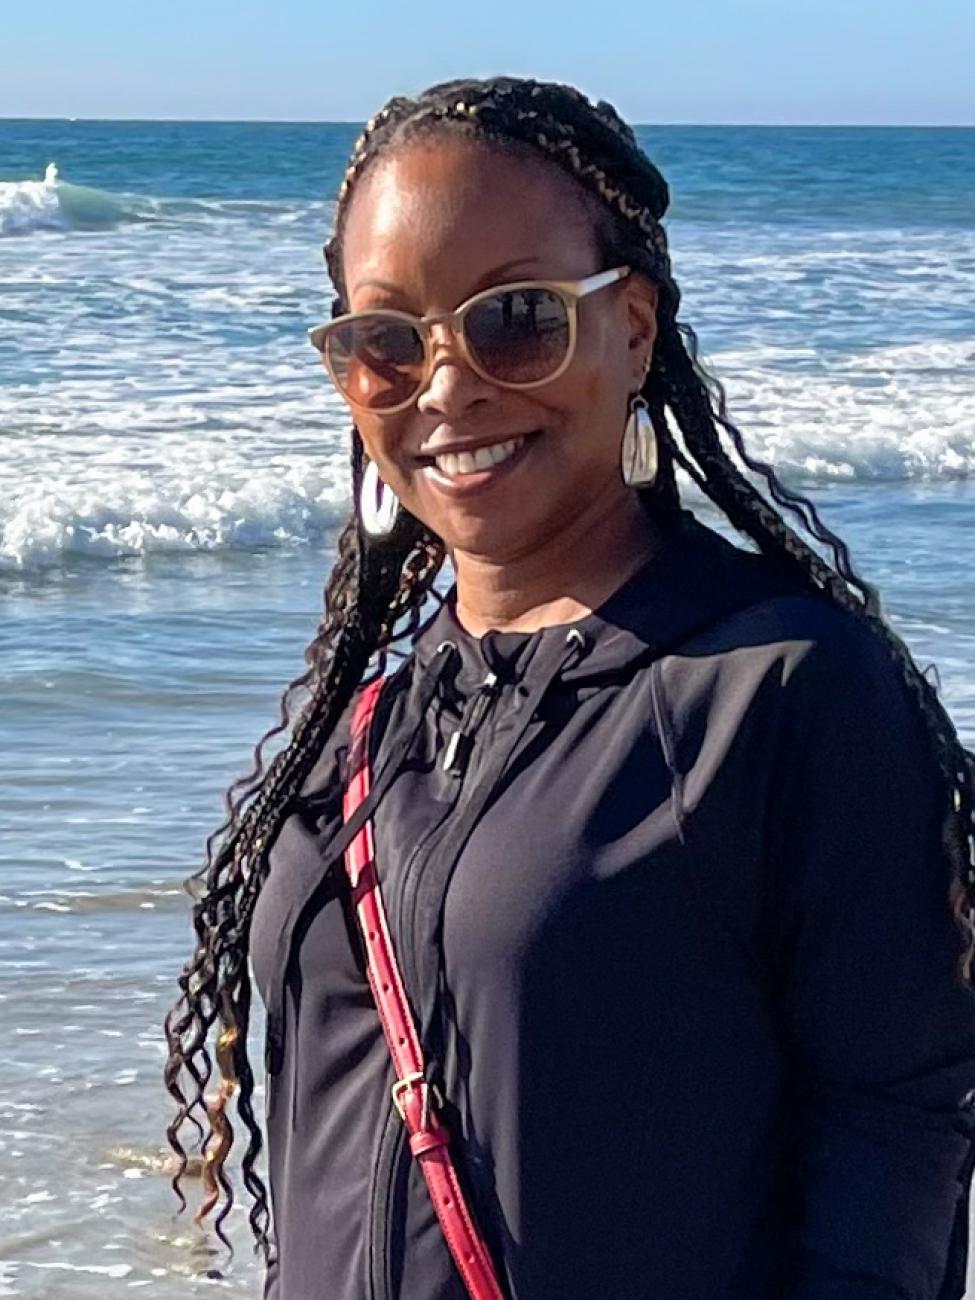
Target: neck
(561, 580)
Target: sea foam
(891, 414)
(135, 515)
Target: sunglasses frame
(570, 291)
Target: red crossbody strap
(412, 1095)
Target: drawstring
(429, 685)
(396, 755)
(458, 749)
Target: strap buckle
(428, 1091)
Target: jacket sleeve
(880, 1029)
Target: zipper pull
(458, 750)
(457, 753)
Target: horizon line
(297, 121)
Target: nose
(453, 387)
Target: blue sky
(775, 61)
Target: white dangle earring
(639, 452)
(378, 503)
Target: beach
(175, 467)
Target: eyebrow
(495, 276)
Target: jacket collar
(693, 580)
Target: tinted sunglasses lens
(376, 361)
(519, 337)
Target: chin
(501, 539)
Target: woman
(674, 839)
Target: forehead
(434, 217)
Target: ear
(641, 316)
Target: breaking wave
(53, 204)
(136, 516)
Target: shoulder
(805, 643)
(790, 674)
(748, 616)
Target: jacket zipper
(458, 751)
(393, 1149)
(456, 760)
(456, 763)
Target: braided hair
(376, 592)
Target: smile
(458, 463)
(462, 473)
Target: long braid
(740, 501)
(369, 594)
(375, 598)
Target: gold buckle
(428, 1090)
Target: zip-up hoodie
(667, 892)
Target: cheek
(600, 376)
(381, 438)
(595, 407)
(386, 442)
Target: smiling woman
(665, 871)
(551, 377)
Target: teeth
(470, 462)
(501, 451)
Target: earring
(378, 503)
(639, 451)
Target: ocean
(174, 467)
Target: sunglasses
(517, 335)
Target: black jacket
(679, 942)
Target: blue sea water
(173, 470)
